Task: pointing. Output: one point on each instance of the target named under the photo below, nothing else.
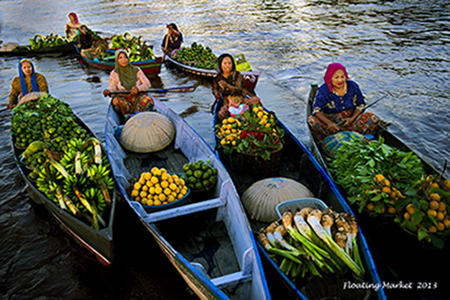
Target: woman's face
(122, 59)
(227, 66)
(72, 19)
(338, 79)
(27, 69)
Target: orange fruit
(441, 206)
(434, 205)
(435, 197)
(432, 229)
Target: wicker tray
(298, 204)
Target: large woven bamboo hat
(147, 132)
(262, 197)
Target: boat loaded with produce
(140, 53)
(40, 44)
(308, 236)
(200, 60)
(401, 200)
(66, 170)
(179, 190)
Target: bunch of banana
(40, 41)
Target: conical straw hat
(262, 197)
(147, 132)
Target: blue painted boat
(208, 239)
(298, 163)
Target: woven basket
(147, 132)
(262, 197)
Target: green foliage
(356, 164)
(203, 57)
(137, 49)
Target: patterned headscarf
(75, 17)
(127, 74)
(23, 84)
(332, 68)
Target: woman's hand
(223, 84)
(10, 106)
(347, 122)
(134, 90)
(106, 93)
(333, 127)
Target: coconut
(262, 197)
(147, 132)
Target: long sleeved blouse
(236, 81)
(329, 103)
(142, 83)
(16, 89)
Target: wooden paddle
(371, 104)
(173, 90)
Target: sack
(332, 143)
(237, 111)
(242, 64)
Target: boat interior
(206, 231)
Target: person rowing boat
(128, 78)
(339, 106)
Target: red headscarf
(75, 17)
(332, 68)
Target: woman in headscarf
(131, 80)
(28, 81)
(229, 84)
(172, 40)
(339, 106)
(72, 26)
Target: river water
(396, 48)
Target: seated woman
(89, 48)
(339, 106)
(72, 26)
(229, 84)
(131, 80)
(172, 40)
(28, 81)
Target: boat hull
(298, 163)
(250, 78)
(98, 242)
(206, 279)
(63, 49)
(384, 234)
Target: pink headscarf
(332, 68)
(75, 17)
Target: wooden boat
(65, 49)
(298, 163)
(99, 242)
(383, 234)
(149, 67)
(250, 78)
(208, 239)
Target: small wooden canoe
(298, 164)
(250, 78)
(65, 49)
(207, 239)
(99, 242)
(383, 234)
(149, 67)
